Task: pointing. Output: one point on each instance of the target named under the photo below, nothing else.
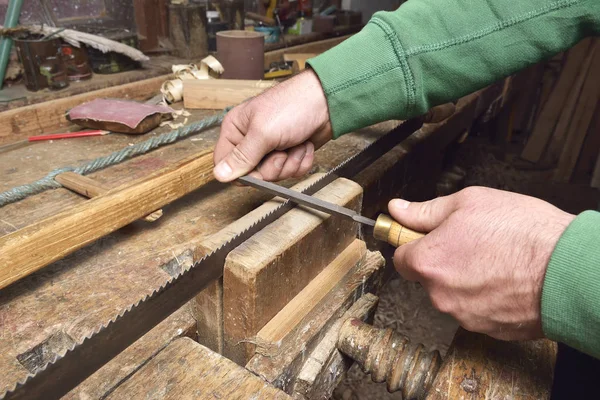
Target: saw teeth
(225, 248)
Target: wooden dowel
(90, 188)
(31, 248)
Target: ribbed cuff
(571, 292)
(366, 79)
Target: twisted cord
(48, 182)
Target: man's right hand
(286, 124)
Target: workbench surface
(46, 312)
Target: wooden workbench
(48, 311)
(67, 300)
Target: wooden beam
(479, 367)
(565, 120)
(37, 119)
(582, 117)
(263, 274)
(216, 94)
(326, 365)
(280, 362)
(29, 249)
(208, 304)
(544, 127)
(188, 370)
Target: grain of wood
(325, 366)
(208, 305)
(284, 324)
(32, 248)
(179, 324)
(216, 94)
(550, 112)
(280, 364)
(188, 370)
(582, 117)
(477, 366)
(264, 273)
(36, 119)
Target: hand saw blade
(67, 370)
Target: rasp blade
(66, 371)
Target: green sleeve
(429, 52)
(571, 292)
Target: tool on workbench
(101, 345)
(385, 228)
(68, 135)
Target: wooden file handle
(388, 230)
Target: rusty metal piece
(389, 356)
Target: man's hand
(485, 258)
(288, 121)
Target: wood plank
(479, 367)
(263, 274)
(208, 305)
(326, 365)
(580, 122)
(280, 365)
(36, 119)
(216, 94)
(188, 370)
(32, 248)
(283, 326)
(550, 113)
(567, 113)
(180, 324)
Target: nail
(223, 170)
(399, 204)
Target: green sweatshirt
(429, 52)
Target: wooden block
(325, 367)
(188, 370)
(208, 305)
(480, 367)
(279, 362)
(216, 94)
(544, 127)
(263, 274)
(283, 327)
(584, 113)
(299, 57)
